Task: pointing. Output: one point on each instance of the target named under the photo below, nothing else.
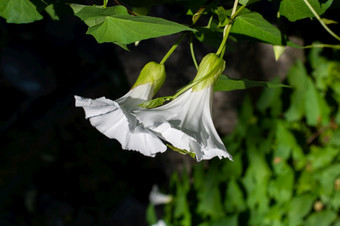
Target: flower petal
(114, 120)
(186, 123)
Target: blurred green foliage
(286, 168)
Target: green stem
(320, 20)
(105, 3)
(227, 28)
(192, 52)
(172, 49)
(323, 46)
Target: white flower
(158, 198)
(114, 118)
(186, 122)
(159, 223)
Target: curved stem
(172, 49)
(321, 22)
(227, 28)
(105, 3)
(192, 52)
(323, 46)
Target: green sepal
(155, 102)
(181, 151)
(153, 73)
(210, 68)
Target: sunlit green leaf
(297, 9)
(209, 196)
(297, 78)
(306, 182)
(274, 215)
(299, 207)
(313, 111)
(327, 21)
(253, 25)
(327, 178)
(234, 201)
(114, 24)
(324, 217)
(19, 11)
(322, 157)
(335, 138)
(94, 15)
(255, 181)
(278, 51)
(281, 188)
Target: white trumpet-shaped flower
(186, 122)
(114, 118)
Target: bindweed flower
(114, 118)
(158, 198)
(186, 122)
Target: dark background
(55, 168)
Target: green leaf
(327, 178)
(94, 15)
(297, 9)
(127, 29)
(281, 188)
(151, 216)
(209, 195)
(299, 207)
(325, 217)
(180, 202)
(233, 170)
(297, 77)
(322, 157)
(306, 182)
(234, 201)
(335, 138)
(19, 11)
(224, 83)
(253, 25)
(222, 16)
(313, 111)
(114, 24)
(327, 21)
(255, 180)
(51, 12)
(270, 98)
(278, 51)
(248, 2)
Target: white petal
(113, 119)
(158, 198)
(159, 223)
(186, 123)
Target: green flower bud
(153, 73)
(210, 68)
